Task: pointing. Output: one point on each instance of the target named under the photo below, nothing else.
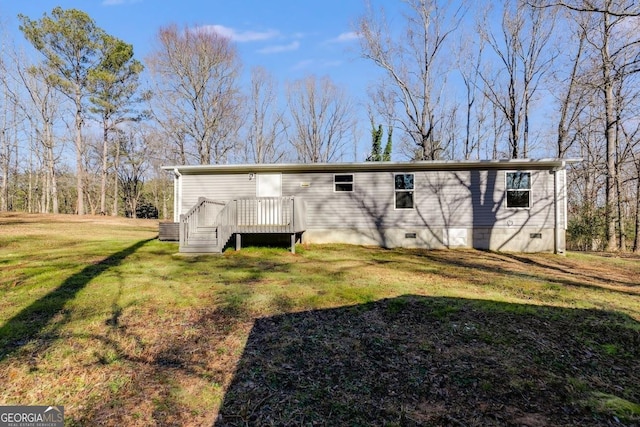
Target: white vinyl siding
(445, 199)
(215, 187)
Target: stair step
(202, 242)
(202, 237)
(206, 229)
(200, 249)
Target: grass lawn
(99, 316)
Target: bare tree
(6, 147)
(627, 146)
(41, 106)
(520, 49)
(322, 119)
(159, 185)
(615, 50)
(636, 240)
(411, 65)
(133, 145)
(196, 97)
(266, 126)
(475, 105)
(10, 120)
(572, 93)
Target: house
(505, 205)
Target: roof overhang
(430, 165)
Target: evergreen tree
(376, 144)
(386, 157)
(71, 43)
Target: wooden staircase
(203, 239)
(199, 228)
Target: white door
(269, 185)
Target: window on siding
(518, 189)
(404, 190)
(343, 182)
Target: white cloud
(294, 45)
(307, 63)
(315, 64)
(346, 37)
(238, 36)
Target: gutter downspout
(557, 225)
(177, 194)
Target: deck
(210, 224)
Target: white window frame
(396, 191)
(507, 190)
(335, 183)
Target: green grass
(99, 316)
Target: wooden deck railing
(243, 215)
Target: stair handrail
(226, 222)
(189, 221)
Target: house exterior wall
(217, 187)
(459, 208)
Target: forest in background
(85, 125)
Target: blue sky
(291, 38)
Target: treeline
(455, 80)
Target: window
(518, 189)
(404, 190)
(343, 182)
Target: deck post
(293, 243)
(184, 229)
(238, 241)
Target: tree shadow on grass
(526, 267)
(417, 360)
(584, 275)
(33, 320)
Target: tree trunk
(610, 137)
(44, 206)
(103, 181)
(622, 241)
(79, 156)
(4, 158)
(525, 131)
(636, 240)
(165, 207)
(116, 164)
(54, 181)
(50, 161)
(4, 190)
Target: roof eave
(377, 166)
